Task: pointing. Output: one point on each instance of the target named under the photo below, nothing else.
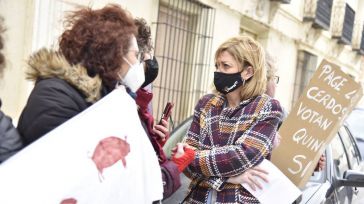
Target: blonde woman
(233, 130)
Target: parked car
(340, 182)
(343, 177)
(355, 123)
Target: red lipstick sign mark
(109, 151)
(69, 201)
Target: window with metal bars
(306, 66)
(183, 49)
(323, 14)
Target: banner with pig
(102, 155)
(314, 120)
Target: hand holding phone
(166, 112)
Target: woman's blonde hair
(247, 52)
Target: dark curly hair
(144, 38)
(98, 39)
(2, 57)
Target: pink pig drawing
(109, 151)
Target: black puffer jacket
(49, 98)
(10, 141)
(61, 91)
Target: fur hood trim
(50, 64)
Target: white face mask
(134, 78)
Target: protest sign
(102, 155)
(314, 120)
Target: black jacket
(10, 141)
(61, 91)
(51, 103)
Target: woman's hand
(250, 177)
(178, 151)
(182, 155)
(162, 131)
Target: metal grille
(183, 50)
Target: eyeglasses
(276, 79)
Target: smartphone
(166, 112)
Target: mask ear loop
(120, 82)
(244, 81)
(127, 61)
(242, 77)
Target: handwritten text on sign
(314, 121)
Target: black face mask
(226, 83)
(151, 71)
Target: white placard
(61, 166)
(272, 191)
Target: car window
(351, 150)
(339, 156)
(355, 123)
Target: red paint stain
(109, 151)
(69, 201)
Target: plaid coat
(229, 141)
